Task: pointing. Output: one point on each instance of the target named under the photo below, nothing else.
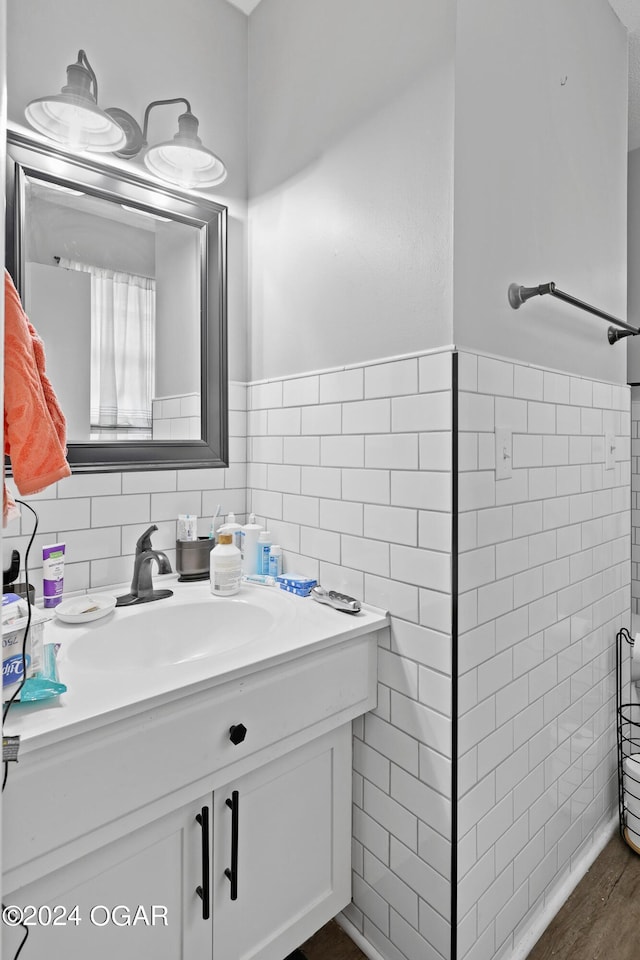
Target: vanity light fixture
(183, 160)
(73, 117)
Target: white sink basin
(165, 634)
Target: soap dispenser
(233, 527)
(249, 540)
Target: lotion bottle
(275, 560)
(264, 548)
(225, 567)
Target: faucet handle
(144, 540)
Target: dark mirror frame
(26, 158)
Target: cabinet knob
(237, 733)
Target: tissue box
(14, 623)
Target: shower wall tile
(372, 517)
(544, 586)
(351, 471)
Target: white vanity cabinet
(208, 887)
(154, 803)
(293, 851)
(88, 908)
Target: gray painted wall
(59, 304)
(57, 230)
(355, 249)
(540, 179)
(144, 51)
(633, 287)
(178, 310)
(350, 181)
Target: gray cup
(192, 558)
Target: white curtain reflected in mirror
(114, 292)
(123, 333)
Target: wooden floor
(601, 918)
(599, 921)
(331, 943)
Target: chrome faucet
(142, 590)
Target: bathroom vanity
(190, 795)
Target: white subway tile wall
(543, 588)
(635, 499)
(351, 473)
(177, 417)
(100, 516)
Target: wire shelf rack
(628, 733)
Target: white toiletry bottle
(264, 547)
(233, 527)
(225, 567)
(275, 560)
(250, 533)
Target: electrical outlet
(609, 451)
(504, 453)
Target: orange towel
(34, 425)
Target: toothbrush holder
(192, 558)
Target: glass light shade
(73, 117)
(75, 122)
(186, 165)
(184, 160)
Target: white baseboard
(524, 946)
(541, 922)
(357, 938)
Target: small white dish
(86, 608)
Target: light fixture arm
(157, 103)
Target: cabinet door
(293, 851)
(157, 868)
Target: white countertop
(105, 689)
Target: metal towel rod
(519, 295)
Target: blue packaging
(298, 582)
(275, 560)
(44, 684)
(299, 591)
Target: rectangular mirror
(125, 281)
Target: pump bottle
(234, 528)
(249, 539)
